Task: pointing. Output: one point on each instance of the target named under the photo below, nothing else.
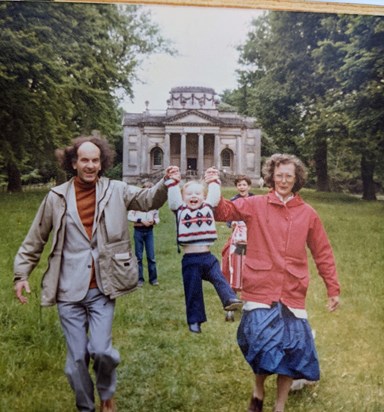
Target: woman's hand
(211, 174)
(333, 303)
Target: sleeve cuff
(171, 182)
(18, 278)
(217, 181)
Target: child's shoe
(195, 327)
(230, 316)
(233, 304)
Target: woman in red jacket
(274, 334)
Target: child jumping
(196, 232)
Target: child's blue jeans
(197, 267)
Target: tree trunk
(367, 170)
(14, 177)
(320, 156)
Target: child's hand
(147, 223)
(211, 175)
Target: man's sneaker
(155, 283)
(140, 283)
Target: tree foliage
(60, 68)
(314, 82)
(361, 79)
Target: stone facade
(193, 134)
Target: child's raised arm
(174, 194)
(214, 193)
(212, 179)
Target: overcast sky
(206, 39)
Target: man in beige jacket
(90, 263)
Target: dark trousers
(144, 240)
(197, 267)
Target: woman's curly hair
(67, 156)
(279, 159)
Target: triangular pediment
(192, 116)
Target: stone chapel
(193, 133)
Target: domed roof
(193, 89)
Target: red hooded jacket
(276, 264)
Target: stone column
(167, 150)
(144, 154)
(258, 152)
(183, 154)
(139, 161)
(216, 152)
(239, 156)
(200, 155)
(125, 153)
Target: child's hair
(243, 177)
(147, 184)
(198, 182)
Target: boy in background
(233, 252)
(143, 223)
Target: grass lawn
(166, 368)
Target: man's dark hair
(67, 156)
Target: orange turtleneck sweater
(86, 206)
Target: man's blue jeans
(144, 240)
(87, 326)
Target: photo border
(319, 6)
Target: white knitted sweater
(194, 226)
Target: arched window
(157, 158)
(226, 158)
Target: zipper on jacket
(102, 217)
(57, 234)
(102, 225)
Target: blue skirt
(275, 341)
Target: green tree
(315, 81)
(61, 66)
(286, 90)
(361, 78)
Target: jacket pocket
(258, 263)
(297, 267)
(118, 269)
(257, 276)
